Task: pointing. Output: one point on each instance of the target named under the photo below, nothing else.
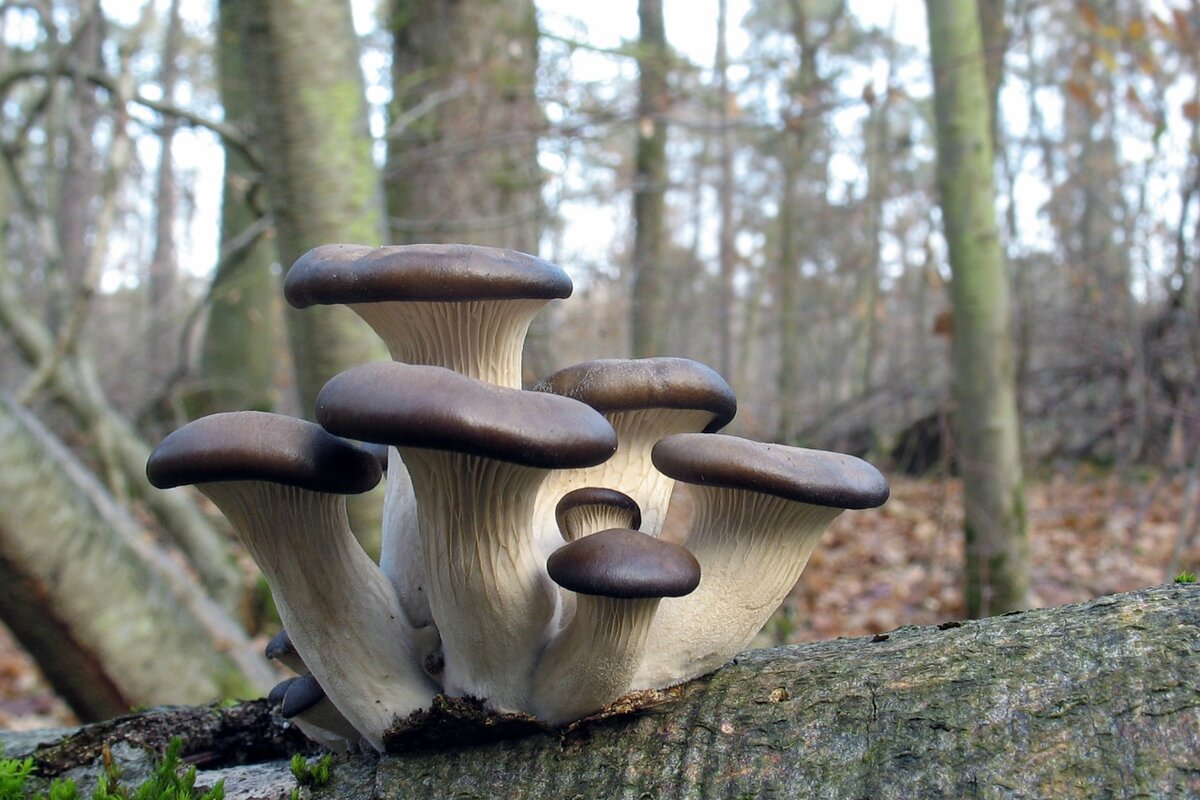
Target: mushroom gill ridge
(522, 565)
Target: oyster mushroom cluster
(521, 562)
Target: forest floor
(876, 570)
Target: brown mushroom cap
(406, 405)
(815, 477)
(300, 695)
(618, 384)
(279, 690)
(280, 647)
(255, 445)
(348, 273)
(624, 564)
(591, 496)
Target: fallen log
(79, 578)
(1100, 699)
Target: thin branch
(230, 134)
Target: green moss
(14, 775)
(309, 775)
(166, 782)
(1185, 577)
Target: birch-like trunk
(988, 436)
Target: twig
(230, 134)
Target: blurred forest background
(749, 183)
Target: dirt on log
(1100, 699)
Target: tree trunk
(1092, 700)
(462, 149)
(650, 185)
(323, 186)
(243, 338)
(725, 231)
(64, 545)
(997, 559)
(164, 263)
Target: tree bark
(997, 558)
(243, 338)
(1092, 700)
(311, 123)
(64, 543)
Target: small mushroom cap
(624, 564)
(279, 690)
(280, 646)
(302, 694)
(598, 496)
(257, 446)
(815, 477)
(621, 384)
(430, 407)
(349, 273)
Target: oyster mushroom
(645, 399)
(477, 454)
(280, 481)
(281, 649)
(305, 703)
(582, 512)
(461, 307)
(759, 511)
(618, 577)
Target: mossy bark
(1093, 700)
(243, 342)
(988, 436)
(311, 128)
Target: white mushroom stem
(752, 549)
(592, 661)
(402, 559)
(481, 339)
(488, 588)
(341, 613)
(629, 470)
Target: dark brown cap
(257, 446)
(280, 646)
(279, 690)
(816, 477)
(623, 384)
(624, 564)
(302, 694)
(434, 408)
(349, 273)
(588, 498)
